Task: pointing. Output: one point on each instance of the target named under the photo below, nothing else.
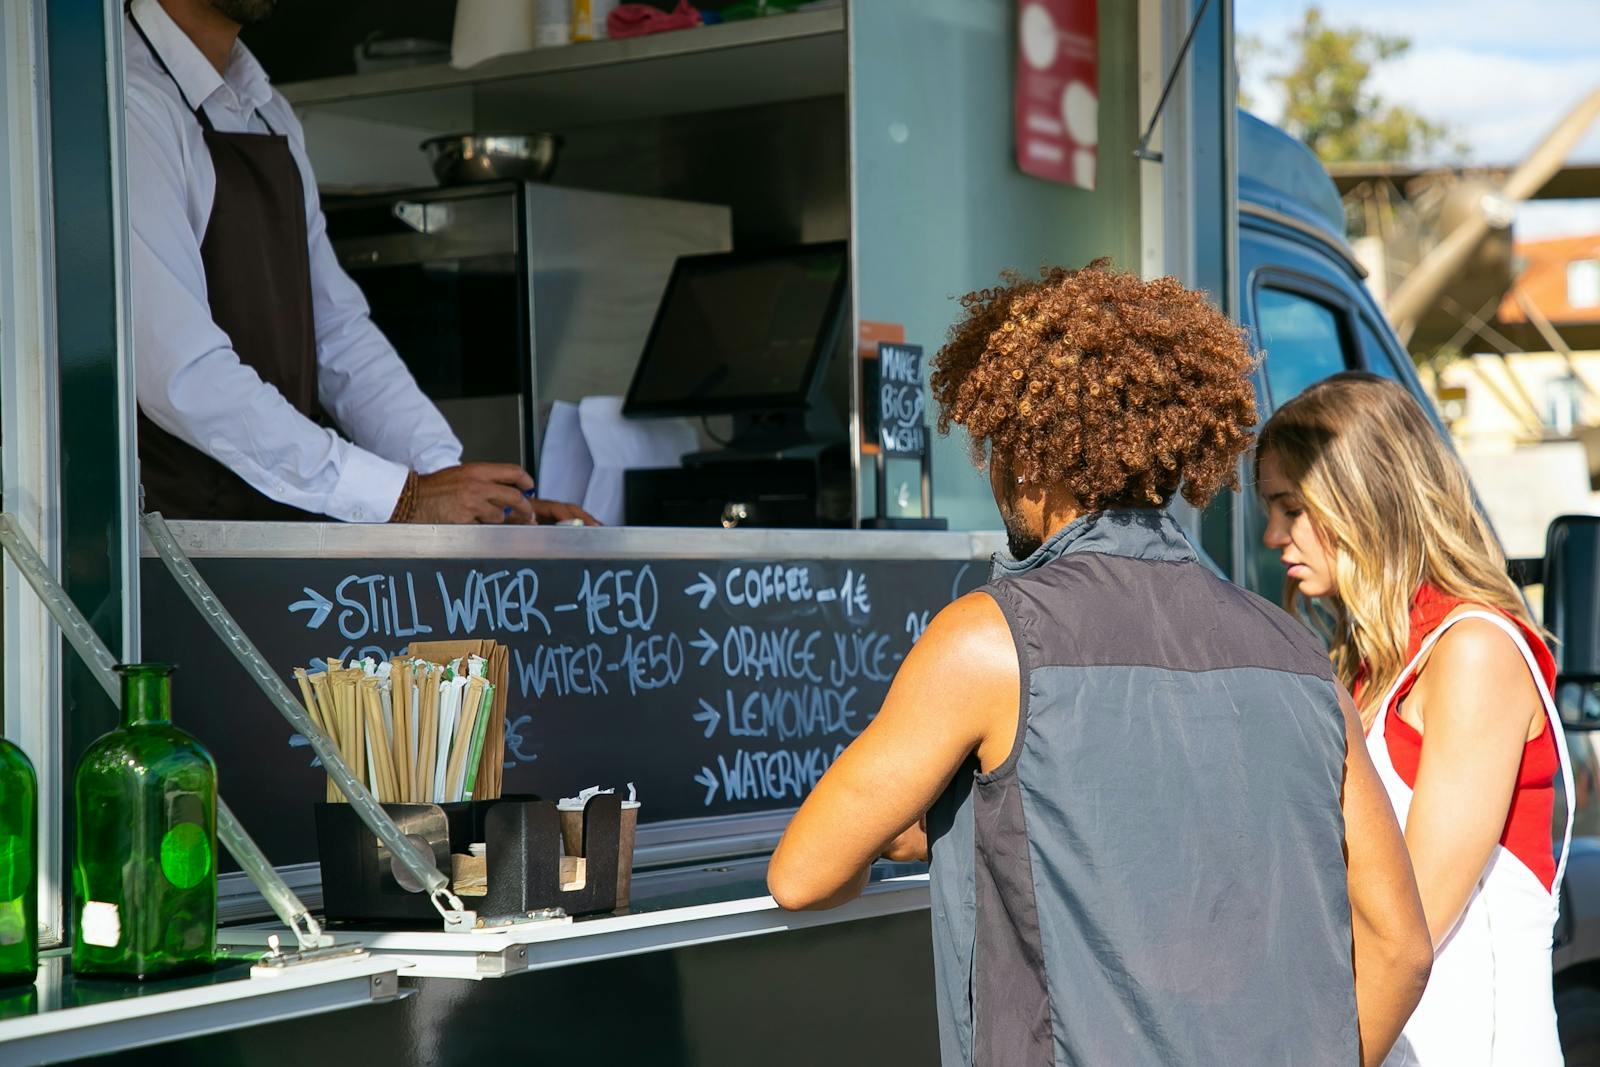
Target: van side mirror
(1572, 615)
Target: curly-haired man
(1156, 835)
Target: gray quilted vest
(1155, 875)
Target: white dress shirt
(191, 382)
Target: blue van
(1302, 298)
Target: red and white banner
(1058, 90)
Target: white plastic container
(488, 28)
(552, 23)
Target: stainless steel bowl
(492, 157)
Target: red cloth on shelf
(636, 20)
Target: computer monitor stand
(789, 433)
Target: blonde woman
(1373, 516)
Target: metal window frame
(127, 395)
(66, 386)
(1306, 287)
(30, 461)
(1191, 194)
(87, 214)
(1153, 205)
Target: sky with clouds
(1499, 74)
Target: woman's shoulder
(1468, 635)
(1476, 656)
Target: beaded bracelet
(405, 508)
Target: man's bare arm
(1392, 952)
(955, 693)
(911, 846)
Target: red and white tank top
(1527, 830)
(1489, 1000)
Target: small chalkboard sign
(901, 406)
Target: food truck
(694, 290)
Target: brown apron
(258, 283)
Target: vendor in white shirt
(245, 327)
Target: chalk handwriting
(792, 712)
(502, 600)
(860, 655)
(782, 653)
(516, 741)
(853, 594)
(780, 775)
(370, 605)
(917, 624)
(653, 662)
(898, 364)
(774, 583)
(561, 671)
(619, 600)
(704, 588)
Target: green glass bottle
(144, 868)
(19, 870)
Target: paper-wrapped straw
(413, 730)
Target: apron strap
(199, 112)
(155, 53)
(1545, 698)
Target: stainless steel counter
(697, 916)
(351, 541)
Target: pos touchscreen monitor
(742, 332)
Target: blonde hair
(1392, 504)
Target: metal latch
(424, 218)
(467, 922)
(276, 961)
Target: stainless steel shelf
(757, 61)
(104, 1024)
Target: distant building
(1523, 399)
(1562, 278)
(1396, 212)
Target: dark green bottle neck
(146, 698)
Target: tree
(1330, 105)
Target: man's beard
(245, 12)
(1021, 543)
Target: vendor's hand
(475, 492)
(552, 511)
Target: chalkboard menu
(716, 686)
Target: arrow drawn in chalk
(711, 716)
(316, 603)
(705, 589)
(709, 780)
(707, 646)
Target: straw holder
(360, 883)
